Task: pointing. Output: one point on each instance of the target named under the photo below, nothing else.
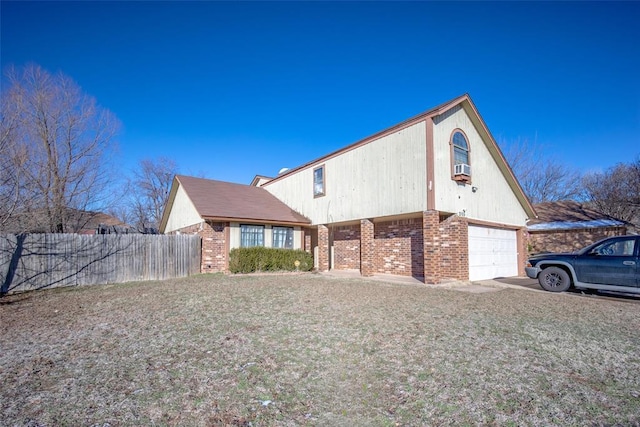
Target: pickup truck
(612, 264)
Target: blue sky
(231, 90)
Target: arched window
(461, 163)
(460, 149)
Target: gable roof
(466, 103)
(432, 112)
(226, 201)
(258, 180)
(567, 215)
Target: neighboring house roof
(76, 221)
(101, 223)
(258, 180)
(466, 103)
(569, 215)
(219, 200)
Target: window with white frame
(282, 237)
(251, 235)
(318, 181)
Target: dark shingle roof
(219, 199)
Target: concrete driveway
(481, 286)
(532, 284)
(523, 282)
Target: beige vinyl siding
(384, 177)
(183, 213)
(494, 199)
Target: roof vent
(283, 170)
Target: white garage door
(493, 252)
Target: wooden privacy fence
(36, 261)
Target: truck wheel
(554, 279)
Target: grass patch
(307, 350)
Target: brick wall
(521, 241)
(569, 240)
(214, 245)
(307, 241)
(446, 247)
(367, 248)
(346, 247)
(454, 248)
(399, 247)
(431, 233)
(323, 248)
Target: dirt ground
(311, 350)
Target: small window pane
(251, 235)
(283, 237)
(460, 141)
(460, 156)
(318, 181)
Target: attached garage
(493, 252)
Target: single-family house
(567, 226)
(431, 197)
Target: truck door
(614, 262)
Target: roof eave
(167, 208)
(405, 123)
(502, 163)
(255, 220)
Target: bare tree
(542, 177)
(616, 192)
(150, 189)
(60, 143)
(9, 187)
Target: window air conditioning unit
(462, 169)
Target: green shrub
(249, 260)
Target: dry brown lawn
(310, 350)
